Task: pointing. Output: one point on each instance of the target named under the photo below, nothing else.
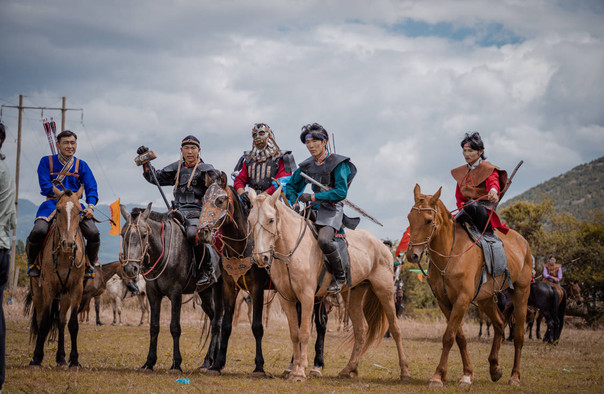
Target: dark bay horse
(455, 273)
(295, 263)
(60, 284)
(96, 286)
(550, 299)
(222, 210)
(155, 245)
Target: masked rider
(188, 177)
(336, 172)
(265, 161)
(479, 184)
(72, 173)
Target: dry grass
(111, 356)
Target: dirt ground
(112, 355)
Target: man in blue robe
(72, 173)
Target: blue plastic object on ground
(183, 381)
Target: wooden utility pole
(13, 249)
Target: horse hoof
(62, 365)
(315, 372)
(75, 366)
(297, 378)
(495, 376)
(34, 366)
(146, 368)
(405, 378)
(203, 369)
(175, 370)
(465, 381)
(213, 372)
(259, 374)
(435, 383)
(514, 382)
(286, 373)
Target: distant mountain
(109, 243)
(578, 191)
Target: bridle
(134, 229)
(433, 229)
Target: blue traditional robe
(78, 173)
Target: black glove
(245, 198)
(305, 197)
(142, 149)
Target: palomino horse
(222, 210)
(454, 276)
(60, 284)
(295, 263)
(155, 245)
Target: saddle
(495, 262)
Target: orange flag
(419, 276)
(115, 216)
(403, 244)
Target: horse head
(217, 205)
(135, 236)
(68, 217)
(423, 224)
(574, 292)
(263, 221)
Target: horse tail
(377, 322)
(29, 309)
(54, 319)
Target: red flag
(402, 246)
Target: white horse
(117, 291)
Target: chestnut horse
(60, 284)
(455, 273)
(292, 255)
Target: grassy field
(111, 356)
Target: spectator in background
(8, 221)
(552, 272)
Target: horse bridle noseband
(128, 235)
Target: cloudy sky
(397, 82)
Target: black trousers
(4, 266)
(41, 226)
(475, 213)
(326, 242)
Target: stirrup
(336, 286)
(33, 271)
(205, 280)
(88, 272)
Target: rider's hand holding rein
(88, 212)
(493, 196)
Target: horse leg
(119, 309)
(63, 305)
(454, 320)
(294, 332)
(211, 303)
(175, 330)
(73, 327)
(257, 295)
(360, 329)
(321, 316)
(519, 300)
(43, 322)
(228, 304)
(497, 320)
(97, 310)
(538, 327)
(383, 291)
(141, 303)
(155, 303)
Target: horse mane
(155, 216)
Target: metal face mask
(216, 205)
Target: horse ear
(125, 213)
(436, 196)
(56, 191)
(80, 191)
(145, 215)
(273, 199)
(223, 180)
(209, 179)
(417, 191)
(252, 195)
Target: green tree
(528, 219)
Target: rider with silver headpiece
(258, 167)
(479, 184)
(336, 172)
(188, 177)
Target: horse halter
(142, 241)
(210, 212)
(434, 226)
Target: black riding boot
(339, 276)
(92, 251)
(206, 278)
(33, 249)
(132, 287)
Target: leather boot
(206, 278)
(339, 276)
(132, 287)
(32, 250)
(92, 251)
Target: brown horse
(454, 276)
(295, 263)
(60, 284)
(96, 286)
